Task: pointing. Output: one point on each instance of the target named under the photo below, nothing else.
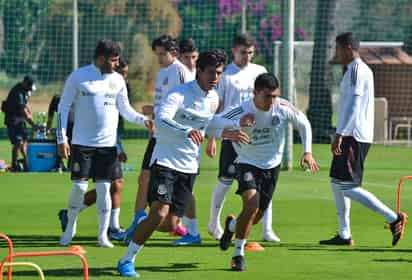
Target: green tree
(320, 103)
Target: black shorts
(227, 168)
(172, 187)
(262, 180)
(148, 154)
(118, 169)
(17, 133)
(99, 163)
(349, 165)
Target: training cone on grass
(254, 246)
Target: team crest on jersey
(275, 121)
(248, 176)
(161, 189)
(165, 81)
(112, 85)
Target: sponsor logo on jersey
(87, 93)
(110, 95)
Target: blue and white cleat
(188, 240)
(117, 234)
(63, 219)
(126, 269)
(139, 216)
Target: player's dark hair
(214, 57)
(347, 39)
(167, 42)
(243, 39)
(266, 81)
(122, 63)
(107, 48)
(187, 46)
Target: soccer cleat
(215, 231)
(188, 240)
(117, 234)
(139, 216)
(238, 263)
(226, 238)
(270, 236)
(337, 240)
(63, 219)
(126, 269)
(398, 228)
(104, 242)
(66, 238)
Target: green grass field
(303, 212)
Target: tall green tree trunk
(320, 92)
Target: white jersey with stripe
(267, 136)
(356, 102)
(236, 84)
(184, 108)
(166, 79)
(96, 99)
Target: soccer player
(188, 55)
(258, 162)
(116, 232)
(172, 73)
(97, 95)
(353, 138)
(17, 113)
(181, 123)
(235, 87)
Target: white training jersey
(356, 102)
(189, 75)
(236, 84)
(166, 79)
(267, 136)
(184, 108)
(96, 99)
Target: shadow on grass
(37, 241)
(111, 271)
(315, 247)
(392, 260)
(46, 241)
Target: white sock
(192, 227)
(232, 225)
(239, 247)
(342, 205)
(75, 203)
(114, 218)
(267, 219)
(132, 250)
(185, 221)
(217, 201)
(372, 202)
(104, 205)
